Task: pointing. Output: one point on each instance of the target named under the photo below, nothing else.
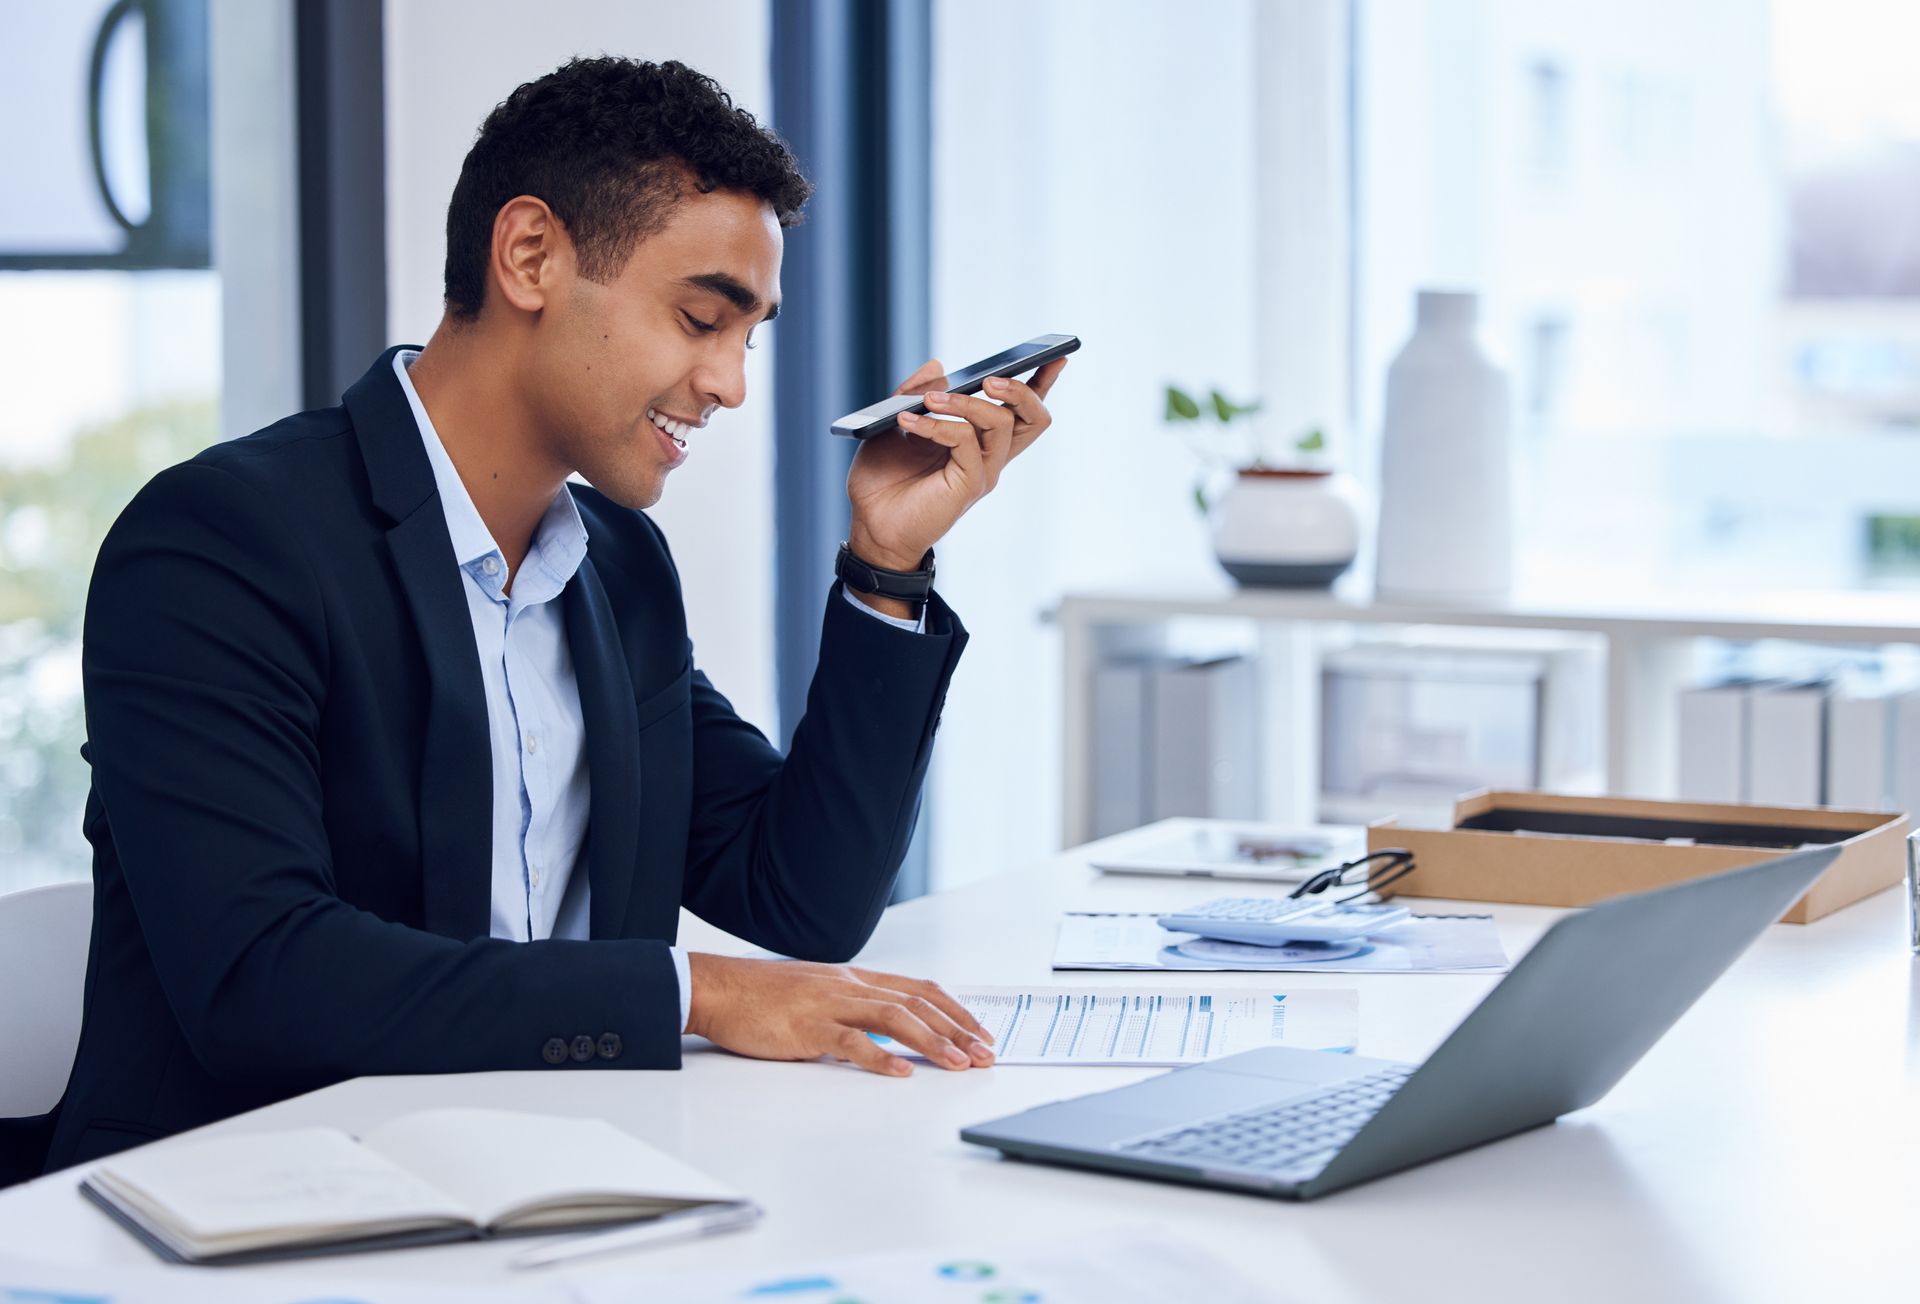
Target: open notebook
(439, 1175)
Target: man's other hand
(908, 489)
(792, 1010)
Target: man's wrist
(863, 547)
(892, 608)
(706, 975)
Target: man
(401, 759)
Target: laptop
(1572, 1017)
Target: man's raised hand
(907, 490)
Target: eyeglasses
(1370, 872)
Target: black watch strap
(863, 577)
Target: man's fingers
(992, 423)
(905, 1027)
(1026, 401)
(855, 1047)
(1043, 379)
(933, 992)
(1032, 417)
(977, 412)
(948, 434)
(931, 375)
(961, 1035)
(958, 438)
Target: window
(1696, 230)
(110, 329)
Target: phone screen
(980, 370)
(883, 416)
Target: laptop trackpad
(1195, 1094)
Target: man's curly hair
(609, 144)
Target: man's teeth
(676, 431)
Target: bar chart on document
(1156, 1025)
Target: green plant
(1190, 415)
(1181, 406)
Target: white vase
(1446, 474)
(1287, 529)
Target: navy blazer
(291, 801)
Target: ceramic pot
(1446, 491)
(1287, 529)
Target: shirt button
(555, 1051)
(533, 743)
(491, 565)
(610, 1047)
(583, 1048)
(533, 876)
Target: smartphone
(883, 416)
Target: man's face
(665, 341)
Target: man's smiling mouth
(675, 430)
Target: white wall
(448, 62)
(1095, 176)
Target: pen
(686, 1224)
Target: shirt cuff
(684, 972)
(914, 626)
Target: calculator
(1271, 921)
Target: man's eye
(704, 327)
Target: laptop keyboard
(1304, 1132)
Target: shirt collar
(559, 543)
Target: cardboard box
(1532, 848)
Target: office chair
(44, 933)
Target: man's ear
(531, 253)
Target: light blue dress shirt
(541, 796)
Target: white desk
(1768, 1148)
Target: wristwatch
(908, 586)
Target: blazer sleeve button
(582, 1048)
(610, 1045)
(555, 1051)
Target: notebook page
(297, 1181)
(502, 1163)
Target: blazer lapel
(456, 771)
(613, 749)
(456, 781)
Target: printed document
(42, 1283)
(1154, 1025)
(1135, 940)
(1119, 1265)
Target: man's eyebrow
(731, 290)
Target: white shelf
(1648, 639)
(1821, 617)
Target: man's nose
(726, 383)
